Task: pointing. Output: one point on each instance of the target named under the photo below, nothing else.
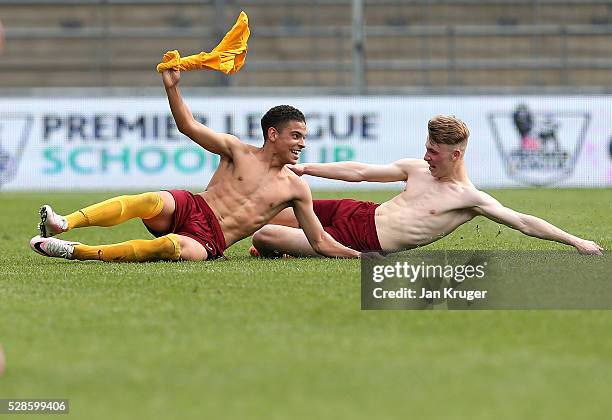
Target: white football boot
(51, 223)
(53, 247)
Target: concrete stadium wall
(419, 44)
(132, 143)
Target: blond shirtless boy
(438, 198)
(250, 186)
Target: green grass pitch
(258, 339)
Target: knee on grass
(265, 239)
(190, 249)
(262, 237)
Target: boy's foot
(53, 247)
(254, 252)
(51, 223)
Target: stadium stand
(430, 43)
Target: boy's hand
(297, 169)
(586, 247)
(171, 78)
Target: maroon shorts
(349, 222)
(195, 219)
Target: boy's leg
(169, 247)
(156, 210)
(162, 222)
(117, 210)
(324, 209)
(285, 217)
(110, 212)
(276, 240)
(138, 250)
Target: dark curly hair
(279, 116)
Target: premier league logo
(14, 132)
(539, 148)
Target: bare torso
(427, 210)
(245, 193)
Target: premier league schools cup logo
(539, 148)
(14, 133)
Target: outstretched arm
(219, 143)
(357, 172)
(320, 240)
(531, 225)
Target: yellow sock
(138, 250)
(117, 210)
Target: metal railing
(356, 67)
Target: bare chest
(430, 199)
(254, 186)
(420, 216)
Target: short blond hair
(446, 129)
